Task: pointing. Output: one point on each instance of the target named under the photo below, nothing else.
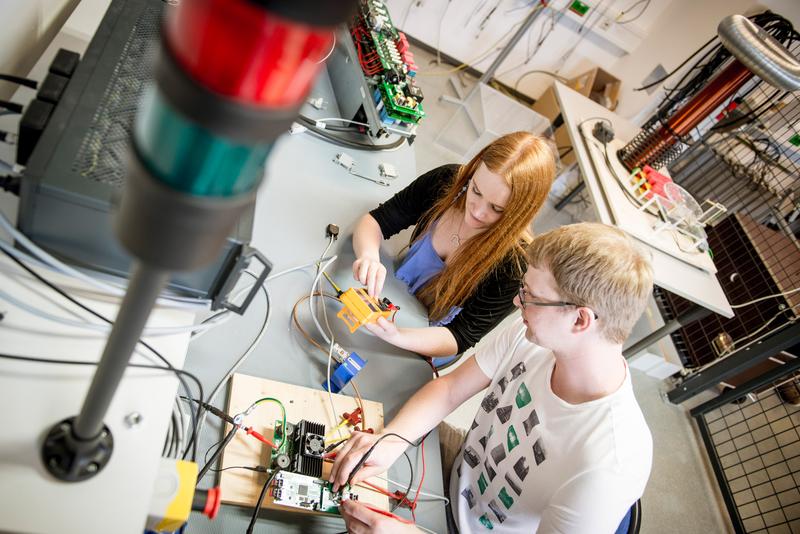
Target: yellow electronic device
(360, 309)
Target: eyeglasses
(525, 302)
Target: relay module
(387, 63)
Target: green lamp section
(191, 159)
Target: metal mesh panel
(103, 151)
(756, 446)
(747, 157)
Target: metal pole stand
(173, 216)
(693, 314)
(489, 74)
(79, 447)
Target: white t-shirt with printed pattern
(532, 462)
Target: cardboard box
(564, 146)
(547, 105)
(596, 84)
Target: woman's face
(487, 196)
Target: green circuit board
(397, 96)
(308, 493)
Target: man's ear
(583, 319)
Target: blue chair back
(632, 521)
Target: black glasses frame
(558, 304)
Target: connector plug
(387, 170)
(345, 160)
(297, 129)
(316, 103)
(332, 230)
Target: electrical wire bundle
(709, 63)
(180, 440)
(237, 423)
(173, 442)
(402, 498)
(368, 57)
(340, 140)
(327, 334)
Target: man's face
(547, 326)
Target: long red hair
(528, 165)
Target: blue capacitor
(345, 372)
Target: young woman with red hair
(466, 254)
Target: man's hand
(371, 273)
(361, 520)
(384, 329)
(382, 457)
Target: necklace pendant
(455, 240)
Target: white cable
(425, 529)
(752, 342)
(331, 239)
(330, 340)
(784, 294)
(174, 302)
(423, 493)
(235, 367)
(339, 119)
(333, 45)
(330, 395)
(297, 268)
(311, 309)
(330, 355)
(228, 314)
(762, 327)
(153, 331)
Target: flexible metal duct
(760, 52)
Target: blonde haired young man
(559, 443)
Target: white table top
(671, 273)
(36, 396)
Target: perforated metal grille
(102, 154)
(753, 261)
(757, 446)
(749, 161)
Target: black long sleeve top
(493, 297)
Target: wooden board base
(242, 486)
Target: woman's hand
(351, 453)
(361, 520)
(370, 272)
(386, 330)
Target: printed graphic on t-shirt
(508, 457)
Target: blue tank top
(420, 265)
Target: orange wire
(377, 489)
(314, 342)
(297, 321)
(387, 514)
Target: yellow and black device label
(360, 309)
